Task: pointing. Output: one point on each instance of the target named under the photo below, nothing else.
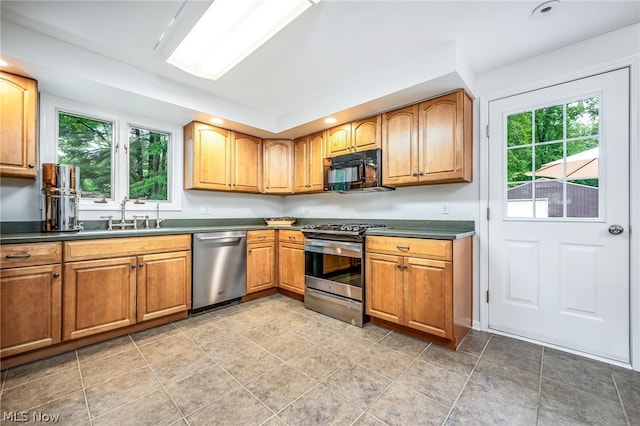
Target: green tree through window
(86, 143)
(148, 164)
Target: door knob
(616, 229)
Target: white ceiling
(344, 58)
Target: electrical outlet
(205, 210)
(445, 208)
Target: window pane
(583, 118)
(549, 198)
(86, 143)
(519, 128)
(148, 152)
(549, 123)
(549, 161)
(519, 164)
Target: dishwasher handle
(221, 239)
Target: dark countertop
(441, 230)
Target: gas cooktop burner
(358, 228)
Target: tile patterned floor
(272, 362)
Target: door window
(552, 169)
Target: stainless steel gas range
(334, 270)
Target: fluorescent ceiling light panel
(229, 31)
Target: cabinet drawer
(119, 247)
(18, 255)
(432, 249)
(261, 236)
(286, 236)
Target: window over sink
(118, 155)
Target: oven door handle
(334, 298)
(337, 248)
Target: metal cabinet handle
(141, 264)
(616, 229)
(133, 266)
(403, 248)
(405, 266)
(31, 166)
(420, 174)
(291, 237)
(414, 174)
(56, 275)
(18, 256)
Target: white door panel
(556, 273)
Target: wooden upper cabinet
(18, 117)
(351, 137)
(339, 140)
(221, 160)
(430, 142)
(365, 134)
(207, 157)
(278, 166)
(400, 146)
(446, 138)
(308, 163)
(247, 163)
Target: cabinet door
(261, 266)
(366, 133)
(18, 116)
(98, 296)
(384, 287)
(278, 166)
(339, 140)
(291, 267)
(428, 296)
(206, 157)
(445, 146)
(247, 163)
(301, 165)
(400, 146)
(164, 284)
(315, 160)
(30, 308)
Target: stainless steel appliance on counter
(358, 171)
(334, 273)
(219, 268)
(61, 197)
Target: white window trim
(49, 107)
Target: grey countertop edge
(87, 235)
(420, 233)
(432, 229)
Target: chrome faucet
(123, 221)
(123, 207)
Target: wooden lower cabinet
(385, 287)
(164, 284)
(261, 266)
(31, 308)
(99, 295)
(291, 267)
(405, 286)
(102, 291)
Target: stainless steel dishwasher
(219, 268)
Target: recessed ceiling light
(216, 120)
(3, 63)
(330, 120)
(545, 8)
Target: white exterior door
(558, 199)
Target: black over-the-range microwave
(358, 171)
